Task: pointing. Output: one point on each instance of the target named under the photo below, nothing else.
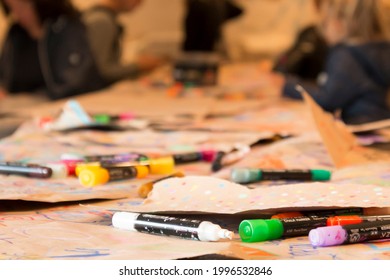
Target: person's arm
(345, 82)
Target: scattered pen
(348, 234)
(251, 175)
(170, 226)
(23, 169)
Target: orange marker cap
(343, 220)
(287, 215)
(90, 177)
(162, 166)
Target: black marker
(28, 170)
(170, 226)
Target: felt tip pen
(170, 226)
(117, 158)
(350, 220)
(321, 213)
(23, 169)
(348, 234)
(97, 175)
(246, 176)
(157, 166)
(207, 155)
(271, 229)
(106, 118)
(223, 159)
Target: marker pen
(245, 176)
(271, 229)
(321, 213)
(28, 170)
(223, 159)
(97, 175)
(145, 189)
(170, 226)
(207, 155)
(158, 166)
(106, 118)
(348, 234)
(117, 158)
(350, 220)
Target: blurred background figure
(306, 57)
(46, 50)
(203, 22)
(105, 35)
(356, 79)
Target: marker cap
(320, 175)
(102, 118)
(82, 166)
(90, 177)
(260, 230)
(162, 166)
(327, 236)
(124, 220)
(142, 171)
(343, 220)
(242, 176)
(59, 170)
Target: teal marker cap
(260, 230)
(320, 175)
(244, 175)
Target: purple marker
(348, 234)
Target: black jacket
(356, 81)
(64, 56)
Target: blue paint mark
(83, 253)
(301, 250)
(376, 248)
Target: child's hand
(3, 93)
(149, 62)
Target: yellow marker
(95, 175)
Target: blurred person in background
(105, 34)
(356, 79)
(203, 22)
(46, 51)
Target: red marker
(355, 219)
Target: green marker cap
(103, 119)
(260, 230)
(320, 175)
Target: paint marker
(223, 159)
(348, 234)
(158, 166)
(321, 213)
(271, 229)
(106, 118)
(170, 226)
(246, 176)
(145, 189)
(350, 220)
(117, 158)
(97, 175)
(23, 169)
(207, 155)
